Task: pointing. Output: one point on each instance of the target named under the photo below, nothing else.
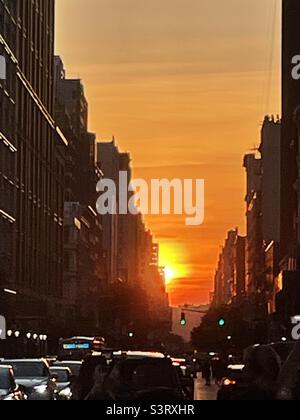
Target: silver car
(9, 390)
(34, 377)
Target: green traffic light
(183, 322)
(222, 322)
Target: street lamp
(17, 334)
(229, 338)
(131, 335)
(28, 335)
(9, 333)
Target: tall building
(31, 167)
(255, 266)
(270, 150)
(271, 179)
(288, 286)
(230, 271)
(132, 255)
(239, 285)
(84, 272)
(108, 158)
(263, 201)
(289, 145)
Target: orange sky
(183, 85)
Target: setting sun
(170, 274)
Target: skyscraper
(254, 247)
(271, 179)
(31, 166)
(83, 262)
(289, 144)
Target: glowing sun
(170, 274)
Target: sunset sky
(183, 85)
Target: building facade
(255, 246)
(230, 272)
(84, 264)
(270, 150)
(289, 144)
(32, 152)
(132, 254)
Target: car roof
(5, 367)
(78, 338)
(144, 354)
(26, 360)
(69, 362)
(61, 368)
(236, 367)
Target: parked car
(64, 378)
(9, 390)
(186, 378)
(34, 378)
(74, 366)
(234, 384)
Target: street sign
(2, 328)
(2, 68)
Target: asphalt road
(203, 392)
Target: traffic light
(221, 322)
(183, 320)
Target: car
(185, 377)
(74, 366)
(234, 384)
(34, 378)
(143, 376)
(64, 378)
(50, 360)
(86, 379)
(9, 390)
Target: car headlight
(67, 392)
(41, 389)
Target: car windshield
(30, 369)
(74, 367)
(4, 379)
(62, 375)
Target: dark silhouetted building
(289, 144)
(230, 272)
(271, 178)
(31, 168)
(108, 158)
(84, 272)
(255, 246)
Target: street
(203, 392)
